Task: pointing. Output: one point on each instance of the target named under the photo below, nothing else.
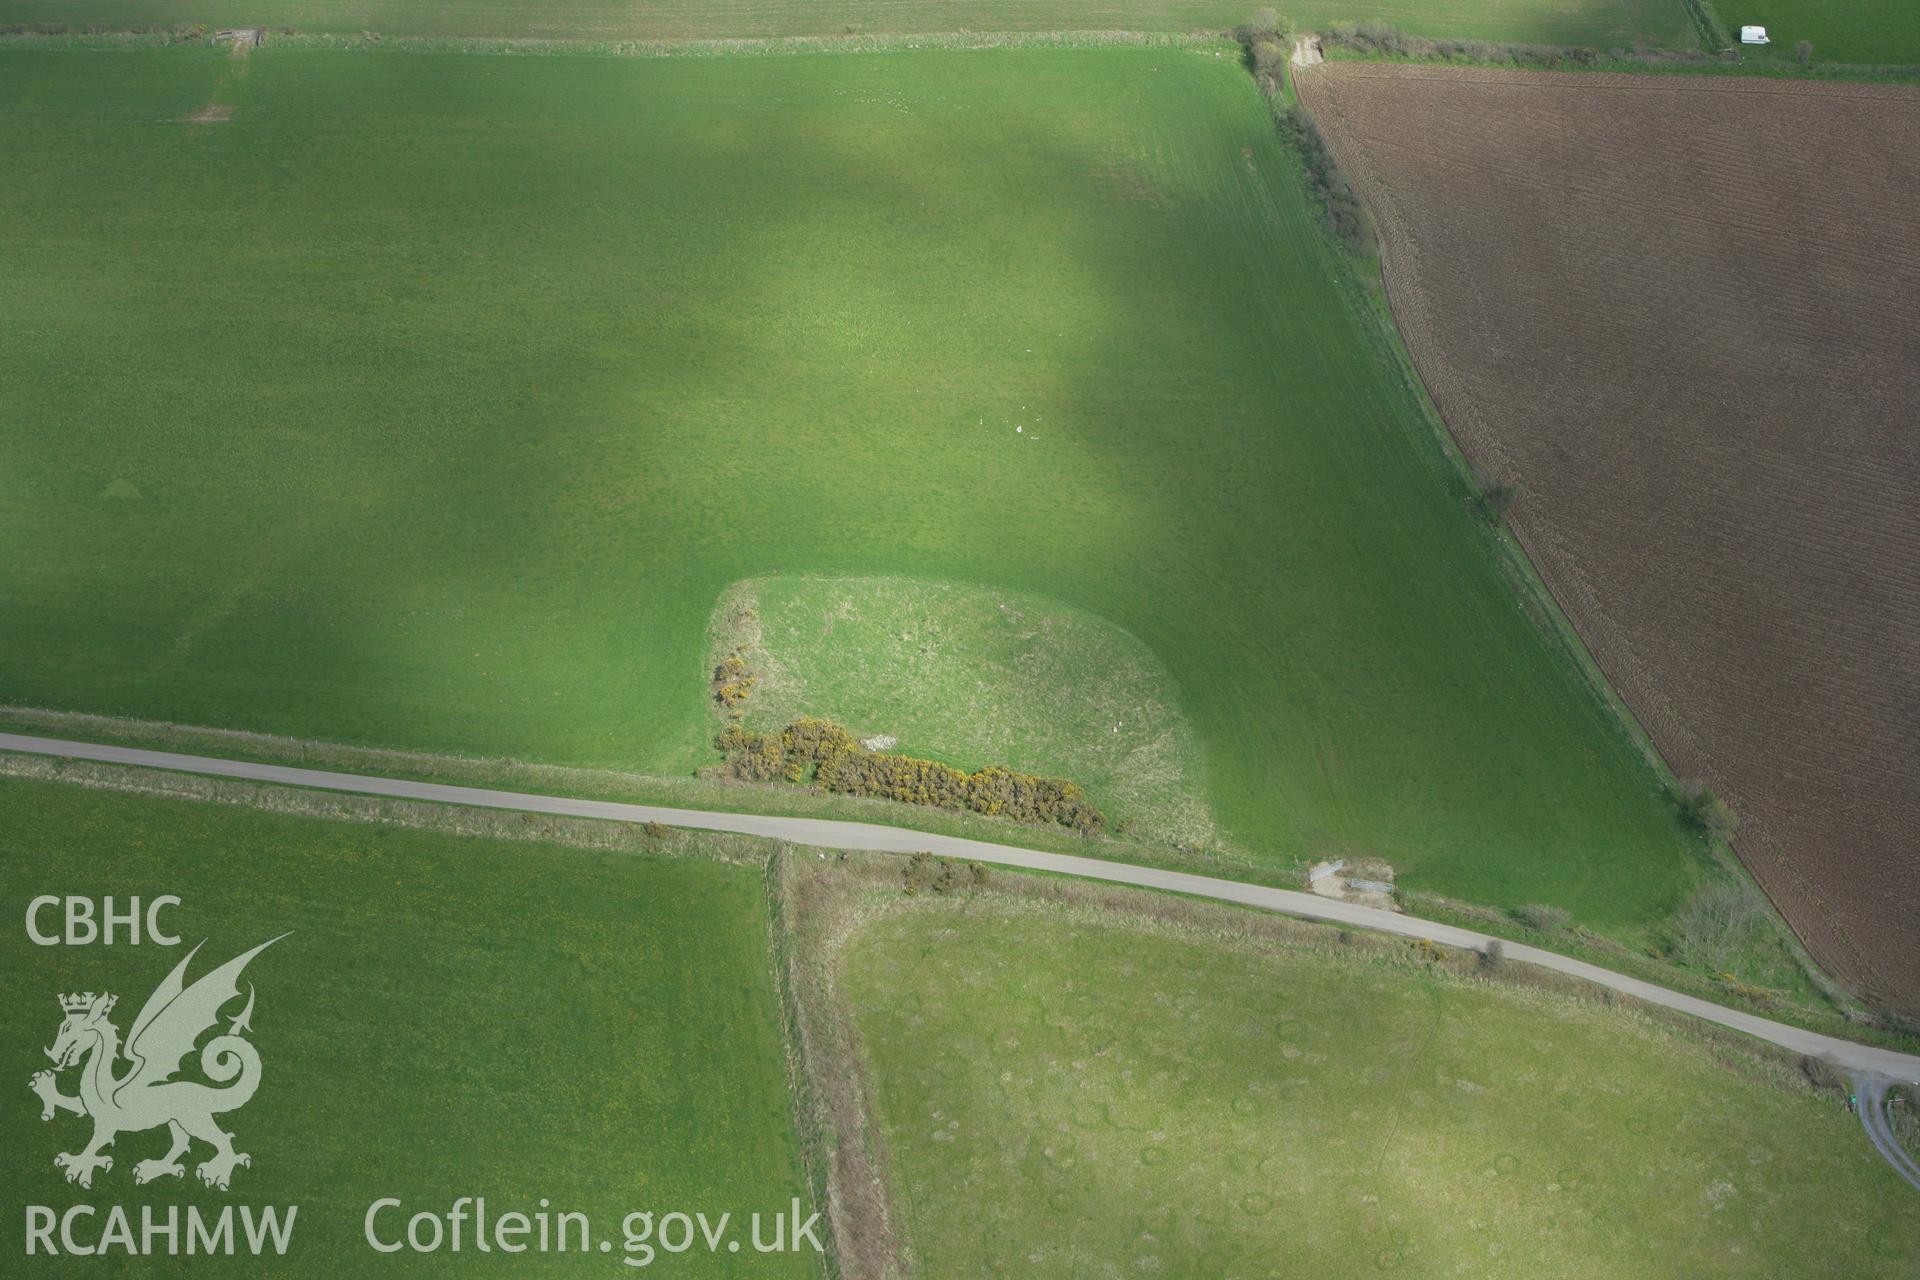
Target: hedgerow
(1265, 40)
(1378, 40)
(826, 755)
(1345, 214)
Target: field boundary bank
(770, 46)
(811, 1119)
(853, 836)
(1606, 61)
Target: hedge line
(1266, 40)
(1378, 40)
(829, 757)
(1346, 216)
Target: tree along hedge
(828, 756)
(1267, 59)
(1345, 214)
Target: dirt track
(1683, 315)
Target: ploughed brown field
(1683, 316)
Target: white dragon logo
(147, 1096)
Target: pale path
(826, 834)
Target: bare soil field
(1683, 316)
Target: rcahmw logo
(147, 1095)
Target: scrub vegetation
(968, 676)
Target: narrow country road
(1857, 1059)
(1870, 1096)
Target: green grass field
(1065, 1091)
(1874, 32)
(433, 400)
(451, 1016)
(1605, 23)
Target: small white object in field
(1019, 429)
(1754, 35)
